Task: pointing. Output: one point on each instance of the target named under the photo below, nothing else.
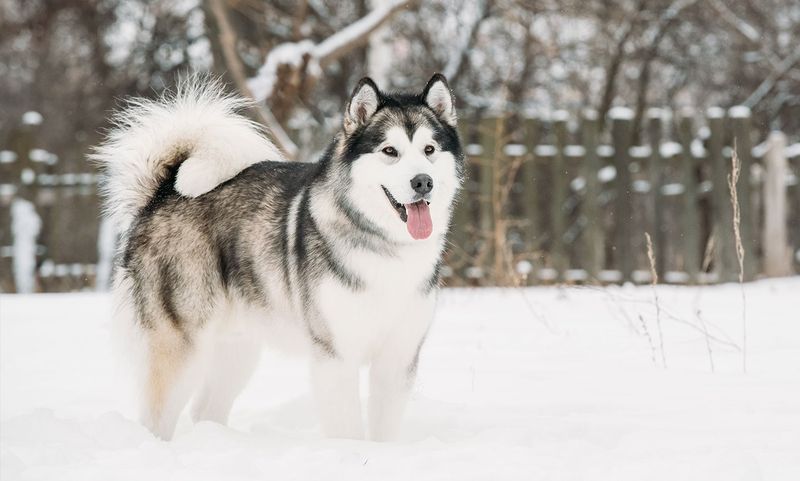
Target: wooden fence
(547, 200)
(59, 208)
(570, 200)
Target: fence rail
(561, 199)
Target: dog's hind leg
(227, 372)
(169, 379)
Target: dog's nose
(422, 184)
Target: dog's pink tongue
(419, 222)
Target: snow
(577, 184)
(697, 148)
(380, 52)
(470, 17)
(25, 226)
(524, 267)
(640, 186)
(539, 383)
(356, 29)
(27, 176)
(284, 54)
(47, 268)
(676, 277)
(7, 156)
(793, 151)
(590, 114)
(41, 155)
(560, 116)
(7, 190)
(545, 150)
(739, 112)
(673, 189)
(727, 152)
(474, 150)
(670, 149)
(715, 113)
(32, 118)
(574, 151)
(620, 113)
(69, 179)
(607, 174)
(576, 275)
(474, 272)
(605, 150)
(609, 276)
(640, 151)
(515, 150)
(548, 274)
(293, 53)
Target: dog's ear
(440, 99)
(363, 104)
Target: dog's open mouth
(416, 215)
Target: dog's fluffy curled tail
(198, 125)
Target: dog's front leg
(335, 385)
(391, 378)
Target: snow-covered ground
(545, 383)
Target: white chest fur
(392, 310)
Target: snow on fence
(562, 199)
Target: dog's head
(404, 156)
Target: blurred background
(590, 125)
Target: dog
(226, 248)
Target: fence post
(794, 205)
(593, 235)
(740, 120)
(489, 164)
(691, 223)
(530, 190)
(655, 129)
(559, 180)
(621, 122)
(777, 254)
(26, 224)
(725, 258)
(462, 213)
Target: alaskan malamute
(226, 247)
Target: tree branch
(235, 68)
(455, 66)
(356, 34)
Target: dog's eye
(390, 151)
(429, 149)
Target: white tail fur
(200, 123)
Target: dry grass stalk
(708, 254)
(504, 173)
(733, 179)
(651, 257)
(707, 338)
(649, 340)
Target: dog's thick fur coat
(226, 247)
